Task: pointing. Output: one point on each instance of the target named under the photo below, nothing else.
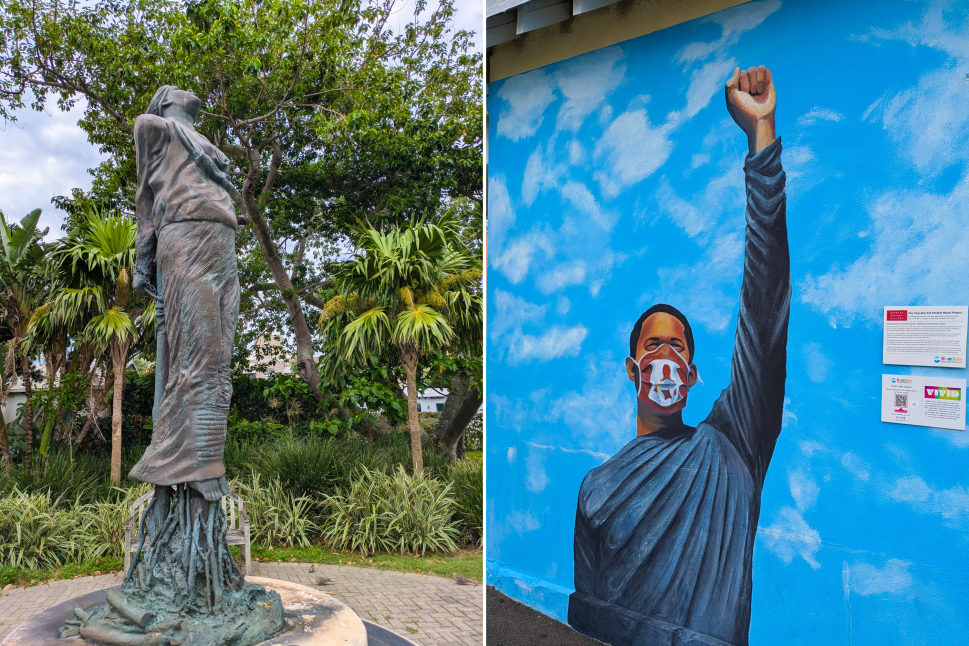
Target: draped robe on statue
(664, 530)
(186, 240)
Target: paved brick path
(428, 610)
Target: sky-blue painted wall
(615, 181)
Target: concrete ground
(428, 610)
(511, 623)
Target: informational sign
(924, 401)
(926, 336)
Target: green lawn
(469, 564)
(466, 563)
(21, 577)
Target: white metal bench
(237, 531)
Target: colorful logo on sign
(901, 380)
(948, 394)
(896, 315)
(944, 359)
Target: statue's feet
(212, 489)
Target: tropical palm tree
(22, 287)
(93, 294)
(413, 288)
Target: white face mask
(665, 382)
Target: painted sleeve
(750, 410)
(151, 137)
(584, 546)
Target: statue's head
(169, 101)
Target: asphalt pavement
(511, 623)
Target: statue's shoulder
(148, 123)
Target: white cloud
(705, 83)
(555, 342)
(856, 466)
(734, 22)
(951, 503)
(511, 313)
(630, 150)
(892, 578)
(515, 259)
(512, 454)
(810, 447)
(816, 363)
(522, 522)
(596, 418)
(819, 114)
(930, 119)
(903, 263)
(804, 489)
(501, 212)
(535, 479)
(582, 200)
(585, 82)
(526, 96)
(44, 155)
(790, 535)
(560, 276)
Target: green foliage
(395, 512)
(278, 516)
(468, 478)
(36, 533)
(474, 434)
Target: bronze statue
(185, 588)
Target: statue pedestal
(312, 618)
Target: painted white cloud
(629, 151)
(522, 522)
(535, 479)
(951, 503)
(585, 82)
(705, 83)
(903, 263)
(856, 466)
(816, 363)
(511, 313)
(555, 342)
(734, 22)
(892, 578)
(561, 276)
(580, 198)
(526, 97)
(819, 114)
(790, 535)
(804, 489)
(501, 211)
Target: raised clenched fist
(751, 101)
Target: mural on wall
(664, 530)
(616, 182)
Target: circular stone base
(312, 618)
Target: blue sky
(616, 181)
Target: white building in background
(431, 400)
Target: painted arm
(750, 410)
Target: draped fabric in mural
(618, 182)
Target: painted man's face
(662, 370)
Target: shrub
(278, 517)
(467, 476)
(392, 512)
(34, 533)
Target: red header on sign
(897, 315)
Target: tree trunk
(28, 416)
(118, 365)
(460, 407)
(408, 358)
(253, 210)
(5, 445)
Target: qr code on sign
(901, 401)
